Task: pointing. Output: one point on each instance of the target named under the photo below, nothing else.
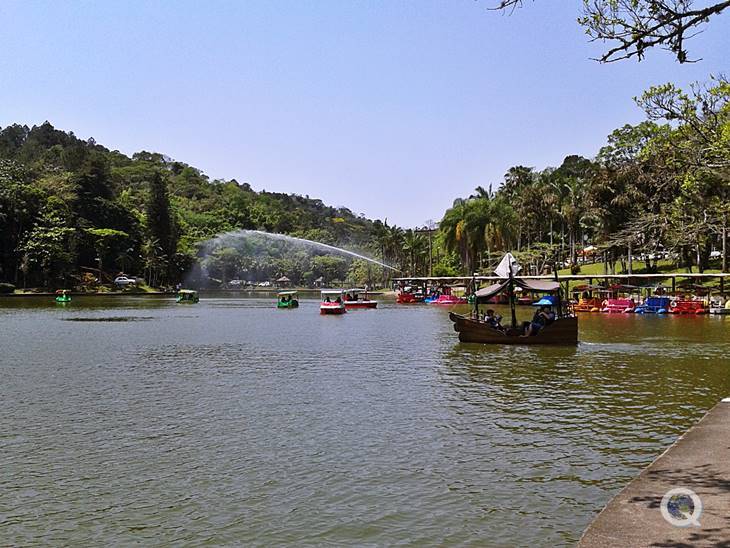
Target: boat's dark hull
(563, 331)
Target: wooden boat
(332, 302)
(187, 296)
(62, 296)
(358, 298)
(287, 299)
(563, 331)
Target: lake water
(136, 420)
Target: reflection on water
(231, 422)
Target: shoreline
(698, 460)
(266, 291)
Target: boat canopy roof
(187, 291)
(332, 291)
(588, 287)
(538, 285)
(624, 287)
(532, 285)
(491, 290)
(355, 290)
(283, 293)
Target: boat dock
(699, 461)
(567, 279)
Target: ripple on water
(234, 423)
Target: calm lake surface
(136, 420)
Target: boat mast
(560, 300)
(474, 292)
(511, 292)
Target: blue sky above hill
(392, 109)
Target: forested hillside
(72, 210)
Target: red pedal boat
(409, 297)
(449, 300)
(358, 298)
(687, 307)
(332, 302)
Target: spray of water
(229, 237)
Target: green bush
(6, 288)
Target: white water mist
(223, 239)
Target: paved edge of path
(699, 460)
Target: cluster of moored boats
(443, 296)
(655, 304)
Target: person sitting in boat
(327, 299)
(338, 300)
(544, 316)
(493, 320)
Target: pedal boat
(187, 296)
(358, 299)
(332, 302)
(287, 299)
(62, 296)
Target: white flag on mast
(508, 262)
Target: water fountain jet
(221, 240)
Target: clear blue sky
(391, 108)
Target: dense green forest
(73, 212)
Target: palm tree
(394, 244)
(453, 230)
(572, 211)
(155, 261)
(501, 230)
(413, 245)
(476, 220)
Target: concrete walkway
(700, 461)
